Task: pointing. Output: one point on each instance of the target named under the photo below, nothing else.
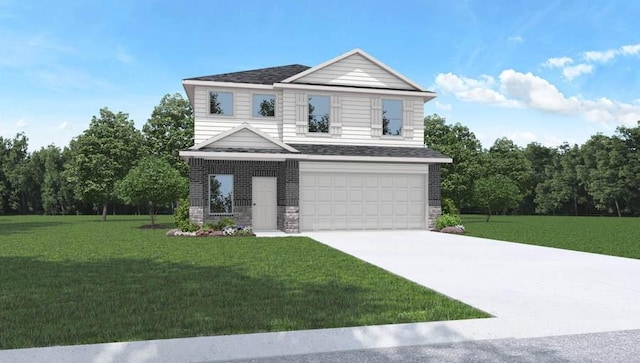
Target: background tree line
(110, 165)
(114, 166)
(601, 176)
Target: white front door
(264, 208)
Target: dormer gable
(355, 68)
(243, 136)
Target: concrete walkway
(532, 291)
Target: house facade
(337, 146)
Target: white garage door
(361, 201)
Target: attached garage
(346, 195)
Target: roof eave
(225, 155)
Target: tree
(152, 183)
(268, 107)
(102, 155)
(55, 192)
(169, 130)
(508, 159)
(606, 173)
(13, 166)
(317, 123)
(540, 158)
(496, 192)
(461, 144)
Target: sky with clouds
(549, 72)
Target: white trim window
(220, 194)
(319, 111)
(263, 105)
(392, 119)
(221, 103)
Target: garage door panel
(371, 181)
(340, 181)
(340, 210)
(400, 195)
(324, 210)
(371, 195)
(324, 181)
(341, 195)
(345, 200)
(386, 210)
(307, 181)
(355, 209)
(371, 210)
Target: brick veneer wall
(286, 172)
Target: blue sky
(545, 71)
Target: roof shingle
(354, 150)
(269, 75)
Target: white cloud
(21, 123)
(516, 89)
(558, 62)
(452, 83)
(574, 71)
(475, 90)
(516, 39)
(632, 49)
(601, 57)
(64, 125)
(534, 91)
(443, 106)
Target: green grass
(605, 235)
(74, 280)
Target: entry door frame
(264, 199)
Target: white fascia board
(427, 96)
(226, 84)
(385, 159)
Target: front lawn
(605, 235)
(74, 280)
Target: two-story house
(333, 147)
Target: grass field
(605, 235)
(71, 280)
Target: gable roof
(357, 53)
(269, 75)
(245, 129)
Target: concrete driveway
(532, 292)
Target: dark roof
(353, 150)
(245, 150)
(256, 76)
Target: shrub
(181, 217)
(447, 220)
(224, 223)
(448, 206)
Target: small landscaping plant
(448, 220)
(181, 217)
(225, 227)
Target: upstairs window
(221, 103)
(220, 194)
(319, 108)
(392, 117)
(263, 105)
